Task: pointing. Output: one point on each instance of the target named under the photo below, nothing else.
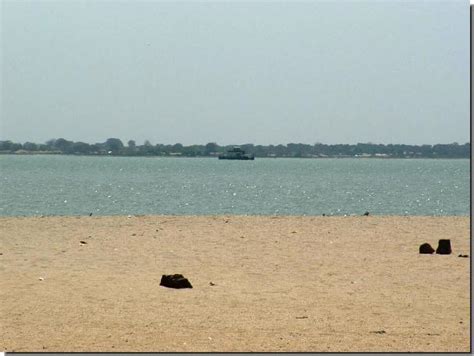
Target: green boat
(237, 153)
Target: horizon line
(241, 144)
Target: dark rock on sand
(378, 332)
(465, 256)
(426, 248)
(366, 213)
(175, 281)
(83, 242)
(444, 247)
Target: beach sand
(280, 284)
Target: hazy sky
(235, 72)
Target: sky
(235, 72)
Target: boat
(237, 153)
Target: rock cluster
(444, 247)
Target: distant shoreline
(115, 147)
(215, 157)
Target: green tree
(177, 148)
(210, 148)
(114, 145)
(132, 144)
(6, 145)
(131, 147)
(81, 148)
(146, 149)
(30, 146)
(63, 145)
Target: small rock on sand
(426, 248)
(177, 281)
(444, 247)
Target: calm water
(68, 185)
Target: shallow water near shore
(73, 185)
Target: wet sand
(279, 284)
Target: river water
(80, 185)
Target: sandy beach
(278, 284)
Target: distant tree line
(115, 147)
